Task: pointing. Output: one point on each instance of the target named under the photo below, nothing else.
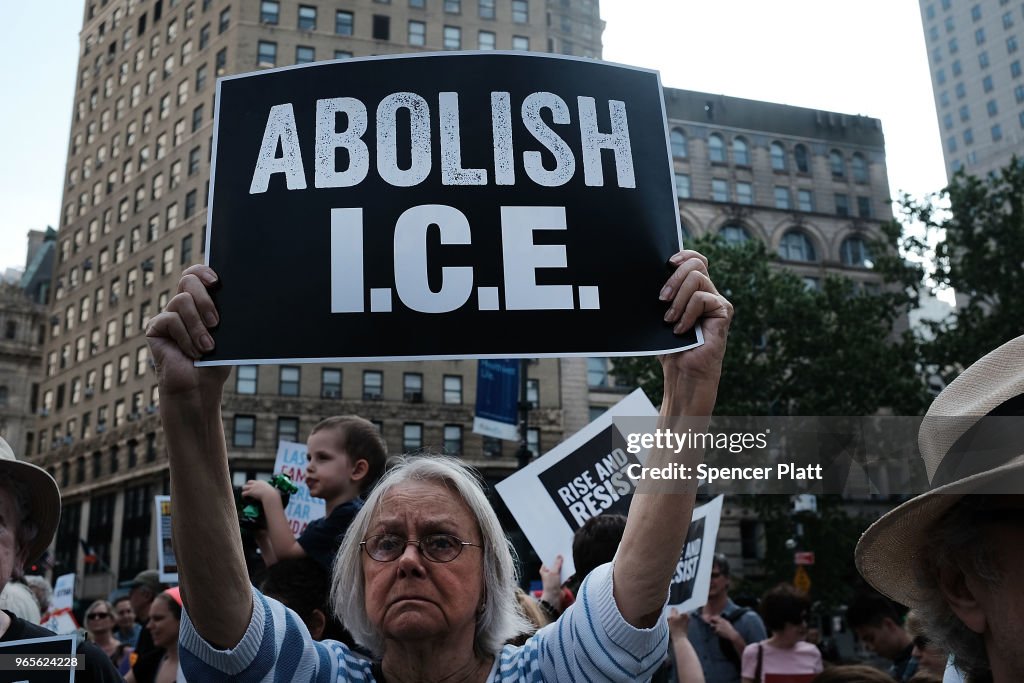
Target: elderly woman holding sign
(425, 577)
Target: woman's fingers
(195, 286)
(703, 304)
(674, 285)
(169, 325)
(185, 306)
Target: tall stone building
(133, 217)
(978, 81)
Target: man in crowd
(145, 586)
(877, 624)
(721, 629)
(127, 630)
(29, 511)
(955, 554)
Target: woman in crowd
(425, 577)
(930, 657)
(160, 665)
(99, 623)
(784, 611)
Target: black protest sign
(685, 577)
(444, 205)
(591, 481)
(40, 660)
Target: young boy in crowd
(345, 458)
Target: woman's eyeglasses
(434, 547)
(99, 615)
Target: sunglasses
(99, 615)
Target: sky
(865, 58)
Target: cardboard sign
(454, 205)
(20, 660)
(167, 563)
(302, 508)
(580, 478)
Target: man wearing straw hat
(29, 512)
(956, 553)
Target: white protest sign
(60, 621)
(582, 477)
(63, 592)
(302, 507)
(166, 561)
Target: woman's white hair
(501, 618)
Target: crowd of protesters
(409, 577)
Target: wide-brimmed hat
(971, 441)
(43, 498)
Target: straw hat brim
(44, 502)
(888, 552)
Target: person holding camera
(345, 457)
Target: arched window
(800, 157)
(716, 147)
(740, 152)
(860, 168)
(734, 234)
(678, 139)
(778, 153)
(796, 246)
(854, 252)
(836, 163)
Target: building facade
(133, 218)
(978, 81)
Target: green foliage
(981, 257)
(795, 351)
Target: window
(373, 383)
(961, 91)
(244, 432)
(307, 18)
(597, 372)
(800, 157)
(343, 23)
(288, 429)
(520, 43)
(412, 387)
(744, 193)
(453, 6)
(957, 69)
(968, 136)
(288, 381)
(682, 186)
(420, 4)
(940, 77)
(520, 11)
(533, 393)
(864, 207)
(342, 54)
(997, 133)
(245, 380)
(533, 441)
(412, 437)
(417, 33)
(186, 250)
(1011, 45)
(951, 143)
(204, 37)
(836, 163)
(975, 13)
(1007, 20)
(221, 61)
(224, 20)
(716, 148)
(193, 161)
(796, 246)
(381, 27)
(842, 205)
(266, 53)
(740, 152)
(778, 156)
(486, 9)
(1015, 68)
(719, 190)
(330, 383)
(167, 264)
(854, 252)
(781, 197)
(453, 389)
(992, 108)
(678, 139)
(453, 439)
(805, 200)
(200, 78)
(304, 54)
(954, 47)
(983, 59)
(485, 40)
(492, 447)
(979, 37)
(452, 38)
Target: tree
(980, 256)
(799, 351)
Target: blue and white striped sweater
(591, 642)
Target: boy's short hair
(362, 441)
(783, 605)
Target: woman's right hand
(179, 335)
